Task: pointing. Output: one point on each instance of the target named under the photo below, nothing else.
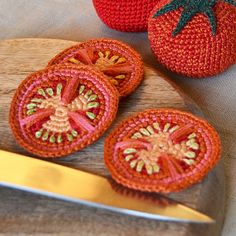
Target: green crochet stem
(190, 9)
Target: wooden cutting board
(26, 213)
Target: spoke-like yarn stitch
(62, 109)
(119, 63)
(163, 150)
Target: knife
(53, 180)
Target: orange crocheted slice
(196, 42)
(62, 109)
(121, 64)
(162, 150)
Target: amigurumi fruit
(125, 15)
(195, 38)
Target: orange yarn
(125, 15)
(163, 150)
(121, 64)
(62, 109)
(155, 198)
(194, 52)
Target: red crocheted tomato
(196, 38)
(62, 109)
(125, 15)
(119, 63)
(162, 150)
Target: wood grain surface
(26, 213)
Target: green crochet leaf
(190, 9)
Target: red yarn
(194, 52)
(125, 15)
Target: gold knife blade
(65, 183)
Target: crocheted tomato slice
(121, 64)
(62, 109)
(161, 150)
